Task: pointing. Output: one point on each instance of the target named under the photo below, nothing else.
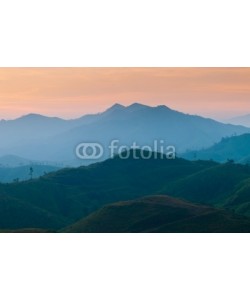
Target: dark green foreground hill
(160, 214)
(60, 199)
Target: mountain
(31, 126)
(236, 148)
(69, 195)
(22, 173)
(12, 161)
(74, 193)
(160, 214)
(241, 120)
(15, 168)
(16, 214)
(143, 125)
(52, 139)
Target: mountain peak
(32, 116)
(38, 117)
(163, 107)
(136, 106)
(115, 107)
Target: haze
(70, 92)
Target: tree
(31, 173)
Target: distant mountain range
(15, 168)
(241, 120)
(123, 196)
(236, 148)
(202, 190)
(22, 173)
(13, 161)
(41, 138)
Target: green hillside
(160, 214)
(211, 185)
(16, 214)
(60, 199)
(74, 193)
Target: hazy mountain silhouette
(12, 161)
(43, 138)
(236, 148)
(240, 120)
(143, 124)
(21, 173)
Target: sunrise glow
(72, 92)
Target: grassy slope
(74, 193)
(71, 194)
(15, 213)
(210, 186)
(160, 214)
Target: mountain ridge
(159, 213)
(55, 139)
(235, 148)
(70, 195)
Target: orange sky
(71, 92)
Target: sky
(220, 93)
